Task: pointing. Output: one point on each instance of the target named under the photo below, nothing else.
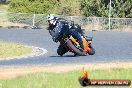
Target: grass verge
(64, 80)
(3, 8)
(9, 49)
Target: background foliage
(120, 8)
(99, 8)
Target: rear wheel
(75, 49)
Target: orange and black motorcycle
(71, 44)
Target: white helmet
(51, 17)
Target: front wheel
(91, 51)
(75, 49)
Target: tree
(64, 7)
(69, 7)
(99, 8)
(94, 8)
(33, 6)
(120, 8)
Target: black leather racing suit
(62, 28)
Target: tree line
(99, 8)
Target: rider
(58, 26)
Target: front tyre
(91, 51)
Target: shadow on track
(67, 56)
(64, 56)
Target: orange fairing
(85, 44)
(74, 40)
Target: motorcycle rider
(60, 27)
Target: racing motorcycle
(71, 44)
(68, 43)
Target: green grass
(8, 49)
(3, 8)
(64, 80)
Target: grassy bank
(3, 8)
(64, 80)
(8, 49)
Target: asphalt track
(110, 46)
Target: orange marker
(86, 74)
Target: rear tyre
(75, 50)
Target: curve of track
(110, 46)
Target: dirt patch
(14, 71)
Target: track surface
(110, 46)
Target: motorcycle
(71, 44)
(68, 43)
